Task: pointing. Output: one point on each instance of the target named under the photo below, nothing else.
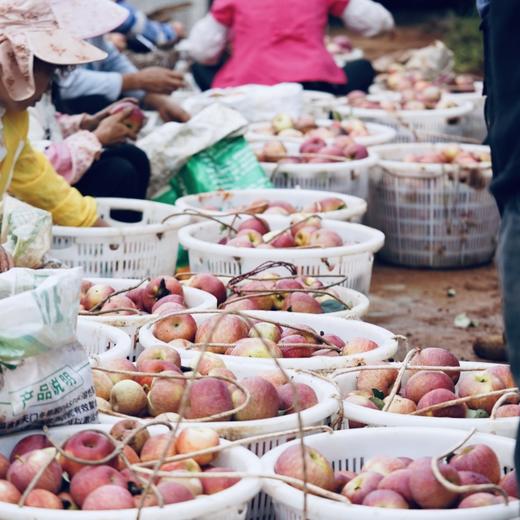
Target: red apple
(360, 486)
(381, 379)
(171, 493)
(509, 484)
(181, 326)
(319, 470)
(359, 346)
(383, 465)
(209, 283)
(171, 298)
(85, 445)
(264, 401)
(215, 485)
(92, 477)
(302, 302)
(342, 478)
(398, 481)
(209, 396)
(400, 405)
(474, 383)
(478, 458)
(256, 348)
(425, 381)
(136, 118)
(284, 240)
(508, 410)
(250, 289)
(480, 500)
(158, 353)
(385, 498)
(437, 357)
(43, 499)
(441, 395)
(195, 439)
(154, 447)
(155, 366)
(115, 303)
(296, 397)
(359, 400)
(165, 395)
(225, 329)
(325, 238)
(503, 372)
(108, 497)
(95, 295)
(255, 223)
(36, 441)
(102, 384)
(119, 364)
(295, 346)
(312, 145)
(427, 492)
(4, 466)
(23, 470)
(193, 484)
(128, 398)
(265, 330)
(9, 493)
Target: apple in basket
(451, 154)
(400, 482)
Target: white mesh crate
(230, 504)
(147, 248)
(349, 449)
(474, 124)
(438, 125)
(429, 217)
(230, 200)
(506, 426)
(353, 261)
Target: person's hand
(91, 122)
(171, 111)
(179, 29)
(118, 40)
(112, 130)
(157, 80)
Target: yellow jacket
(28, 175)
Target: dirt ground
(417, 304)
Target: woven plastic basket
(378, 134)
(506, 426)
(429, 217)
(345, 329)
(353, 262)
(344, 177)
(230, 200)
(474, 124)
(439, 125)
(195, 299)
(230, 504)
(122, 250)
(103, 342)
(350, 449)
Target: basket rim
(373, 243)
(123, 342)
(367, 162)
(125, 230)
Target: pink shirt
(275, 41)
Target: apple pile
(233, 335)
(450, 154)
(162, 294)
(313, 150)
(304, 231)
(430, 98)
(143, 396)
(424, 388)
(68, 484)
(403, 483)
(282, 125)
(406, 80)
(281, 207)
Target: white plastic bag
(45, 375)
(255, 102)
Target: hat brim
(59, 47)
(88, 18)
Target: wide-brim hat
(53, 31)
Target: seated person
(92, 87)
(91, 152)
(273, 41)
(31, 49)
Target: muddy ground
(417, 304)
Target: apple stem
(399, 378)
(500, 402)
(116, 293)
(470, 488)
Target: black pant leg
(82, 105)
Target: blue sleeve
(138, 23)
(104, 78)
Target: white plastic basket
(122, 250)
(474, 124)
(317, 103)
(230, 504)
(103, 342)
(351, 448)
(344, 177)
(231, 200)
(345, 329)
(439, 125)
(378, 134)
(195, 300)
(430, 219)
(506, 426)
(353, 262)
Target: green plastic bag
(228, 164)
